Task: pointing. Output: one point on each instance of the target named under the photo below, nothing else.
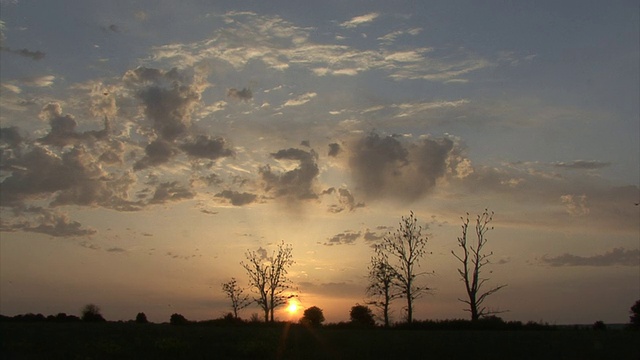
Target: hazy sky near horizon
(146, 145)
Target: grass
(293, 341)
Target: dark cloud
(334, 149)
(116, 250)
(347, 237)
(156, 153)
(63, 128)
(171, 191)
(204, 146)
(237, 198)
(10, 147)
(11, 137)
(40, 220)
(169, 98)
(75, 178)
(33, 55)
(617, 256)
(384, 167)
(244, 95)
(305, 143)
(371, 236)
(297, 183)
(582, 165)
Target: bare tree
(405, 248)
(383, 284)
(268, 277)
(239, 300)
(473, 259)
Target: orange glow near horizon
(293, 307)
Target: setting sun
(292, 308)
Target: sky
(146, 146)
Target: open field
(293, 341)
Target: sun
(293, 307)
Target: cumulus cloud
(294, 184)
(156, 153)
(237, 198)
(63, 127)
(360, 20)
(168, 97)
(203, 146)
(334, 149)
(385, 167)
(617, 256)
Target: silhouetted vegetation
(278, 340)
(268, 277)
(634, 319)
(239, 300)
(177, 319)
(313, 316)
(403, 250)
(361, 315)
(473, 259)
(599, 325)
(383, 285)
(91, 313)
(141, 318)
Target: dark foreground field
(284, 341)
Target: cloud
(244, 95)
(156, 153)
(582, 165)
(347, 237)
(617, 256)
(237, 198)
(412, 109)
(293, 184)
(300, 100)
(168, 97)
(39, 81)
(63, 128)
(33, 55)
(384, 167)
(203, 146)
(333, 289)
(171, 191)
(346, 200)
(47, 222)
(334, 149)
(575, 205)
(360, 20)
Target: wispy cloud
(360, 20)
(582, 164)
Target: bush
(177, 319)
(634, 319)
(91, 313)
(361, 315)
(141, 318)
(313, 316)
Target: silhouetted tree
(239, 300)
(268, 278)
(177, 319)
(599, 325)
(91, 313)
(473, 259)
(383, 284)
(634, 319)
(405, 248)
(313, 316)
(141, 318)
(361, 315)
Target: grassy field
(285, 341)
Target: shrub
(361, 315)
(141, 318)
(177, 319)
(91, 313)
(313, 316)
